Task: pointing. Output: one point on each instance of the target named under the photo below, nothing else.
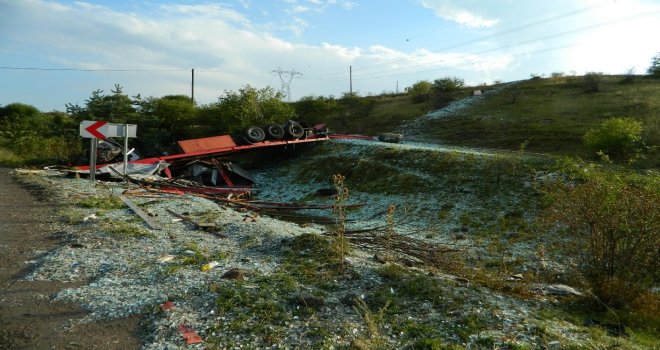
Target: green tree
(442, 89)
(618, 138)
(250, 106)
(654, 69)
(448, 84)
(176, 113)
(37, 136)
(21, 125)
(115, 108)
(420, 91)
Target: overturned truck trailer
(203, 155)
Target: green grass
(9, 158)
(551, 116)
(105, 202)
(545, 115)
(121, 229)
(385, 116)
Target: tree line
(29, 135)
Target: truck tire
(293, 130)
(274, 132)
(254, 134)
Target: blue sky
(57, 52)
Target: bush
(591, 81)
(614, 234)
(617, 138)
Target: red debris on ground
(189, 335)
(168, 305)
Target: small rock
(350, 299)
(309, 301)
(325, 192)
(165, 258)
(461, 280)
(90, 217)
(383, 258)
(516, 277)
(390, 137)
(209, 266)
(560, 289)
(235, 274)
(553, 345)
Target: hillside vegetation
(541, 115)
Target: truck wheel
(254, 134)
(274, 132)
(293, 130)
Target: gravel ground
(119, 274)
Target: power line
(551, 36)
(508, 31)
(92, 70)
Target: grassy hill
(545, 115)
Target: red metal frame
(225, 151)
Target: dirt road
(28, 317)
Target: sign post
(100, 129)
(92, 158)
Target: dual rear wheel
(290, 131)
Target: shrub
(618, 138)
(557, 77)
(614, 234)
(628, 76)
(591, 81)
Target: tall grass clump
(339, 212)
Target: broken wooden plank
(197, 225)
(153, 225)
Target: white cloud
(206, 11)
(226, 49)
(448, 11)
(299, 9)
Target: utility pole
(192, 87)
(397, 87)
(286, 82)
(192, 94)
(350, 79)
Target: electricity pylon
(286, 76)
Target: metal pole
(350, 73)
(92, 159)
(125, 150)
(192, 87)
